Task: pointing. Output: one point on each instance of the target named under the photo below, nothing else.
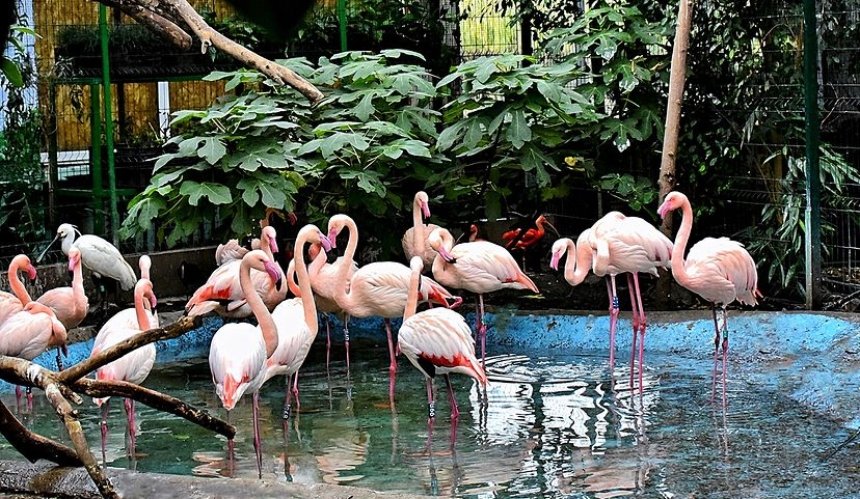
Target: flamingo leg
(231, 449)
(59, 360)
(346, 339)
(482, 331)
(129, 415)
(725, 353)
(327, 341)
(455, 411)
(635, 325)
(642, 323)
(431, 403)
(104, 428)
(296, 391)
(392, 368)
(258, 446)
(288, 405)
(613, 321)
(717, 334)
(18, 395)
(29, 399)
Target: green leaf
(212, 151)
(272, 198)
(216, 193)
(364, 108)
(12, 72)
(518, 132)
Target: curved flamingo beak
(425, 210)
(31, 272)
(273, 245)
(327, 244)
(332, 238)
(446, 255)
(663, 210)
(73, 262)
(274, 273)
(153, 301)
(553, 263)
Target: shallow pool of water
(549, 426)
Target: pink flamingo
(480, 267)
(614, 245)
(296, 319)
(127, 318)
(437, 341)
(324, 279)
(223, 294)
(12, 303)
(238, 352)
(379, 289)
(415, 239)
(719, 270)
(133, 367)
(28, 333)
(70, 304)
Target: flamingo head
(335, 225)
(230, 391)
(442, 241)
(74, 259)
(559, 248)
(673, 201)
(473, 233)
(143, 290)
(423, 202)
(23, 262)
(269, 236)
(258, 260)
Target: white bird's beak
(47, 248)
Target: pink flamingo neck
(140, 292)
(264, 318)
(15, 283)
(78, 287)
(417, 227)
(412, 297)
(291, 279)
(575, 274)
(341, 297)
(308, 302)
(679, 266)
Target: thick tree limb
(156, 400)
(157, 23)
(33, 446)
(178, 328)
(70, 418)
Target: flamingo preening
(296, 320)
(437, 341)
(11, 303)
(28, 333)
(238, 352)
(414, 241)
(223, 294)
(717, 269)
(480, 267)
(617, 244)
(379, 289)
(133, 367)
(98, 255)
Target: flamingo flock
(437, 341)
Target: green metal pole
(813, 179)
(108, 117)
(96, 159)
(341, 21)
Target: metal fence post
(341, 21)
(813, 179)
(108, 116)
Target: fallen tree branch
(156, 400)
(160, 25)
(108, 355)
(70, 418)
(33, 446)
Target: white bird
(98, 255)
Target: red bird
(530, 238)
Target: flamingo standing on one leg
(480, 267)
(296, 319)
(719, 270)
(28, 333)
(70, 304)
(619, 244)
(437, 341)
(223, 294)
(238, 352)
(12, 303)
(380, 289)
(414, 241)
(133, 367)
